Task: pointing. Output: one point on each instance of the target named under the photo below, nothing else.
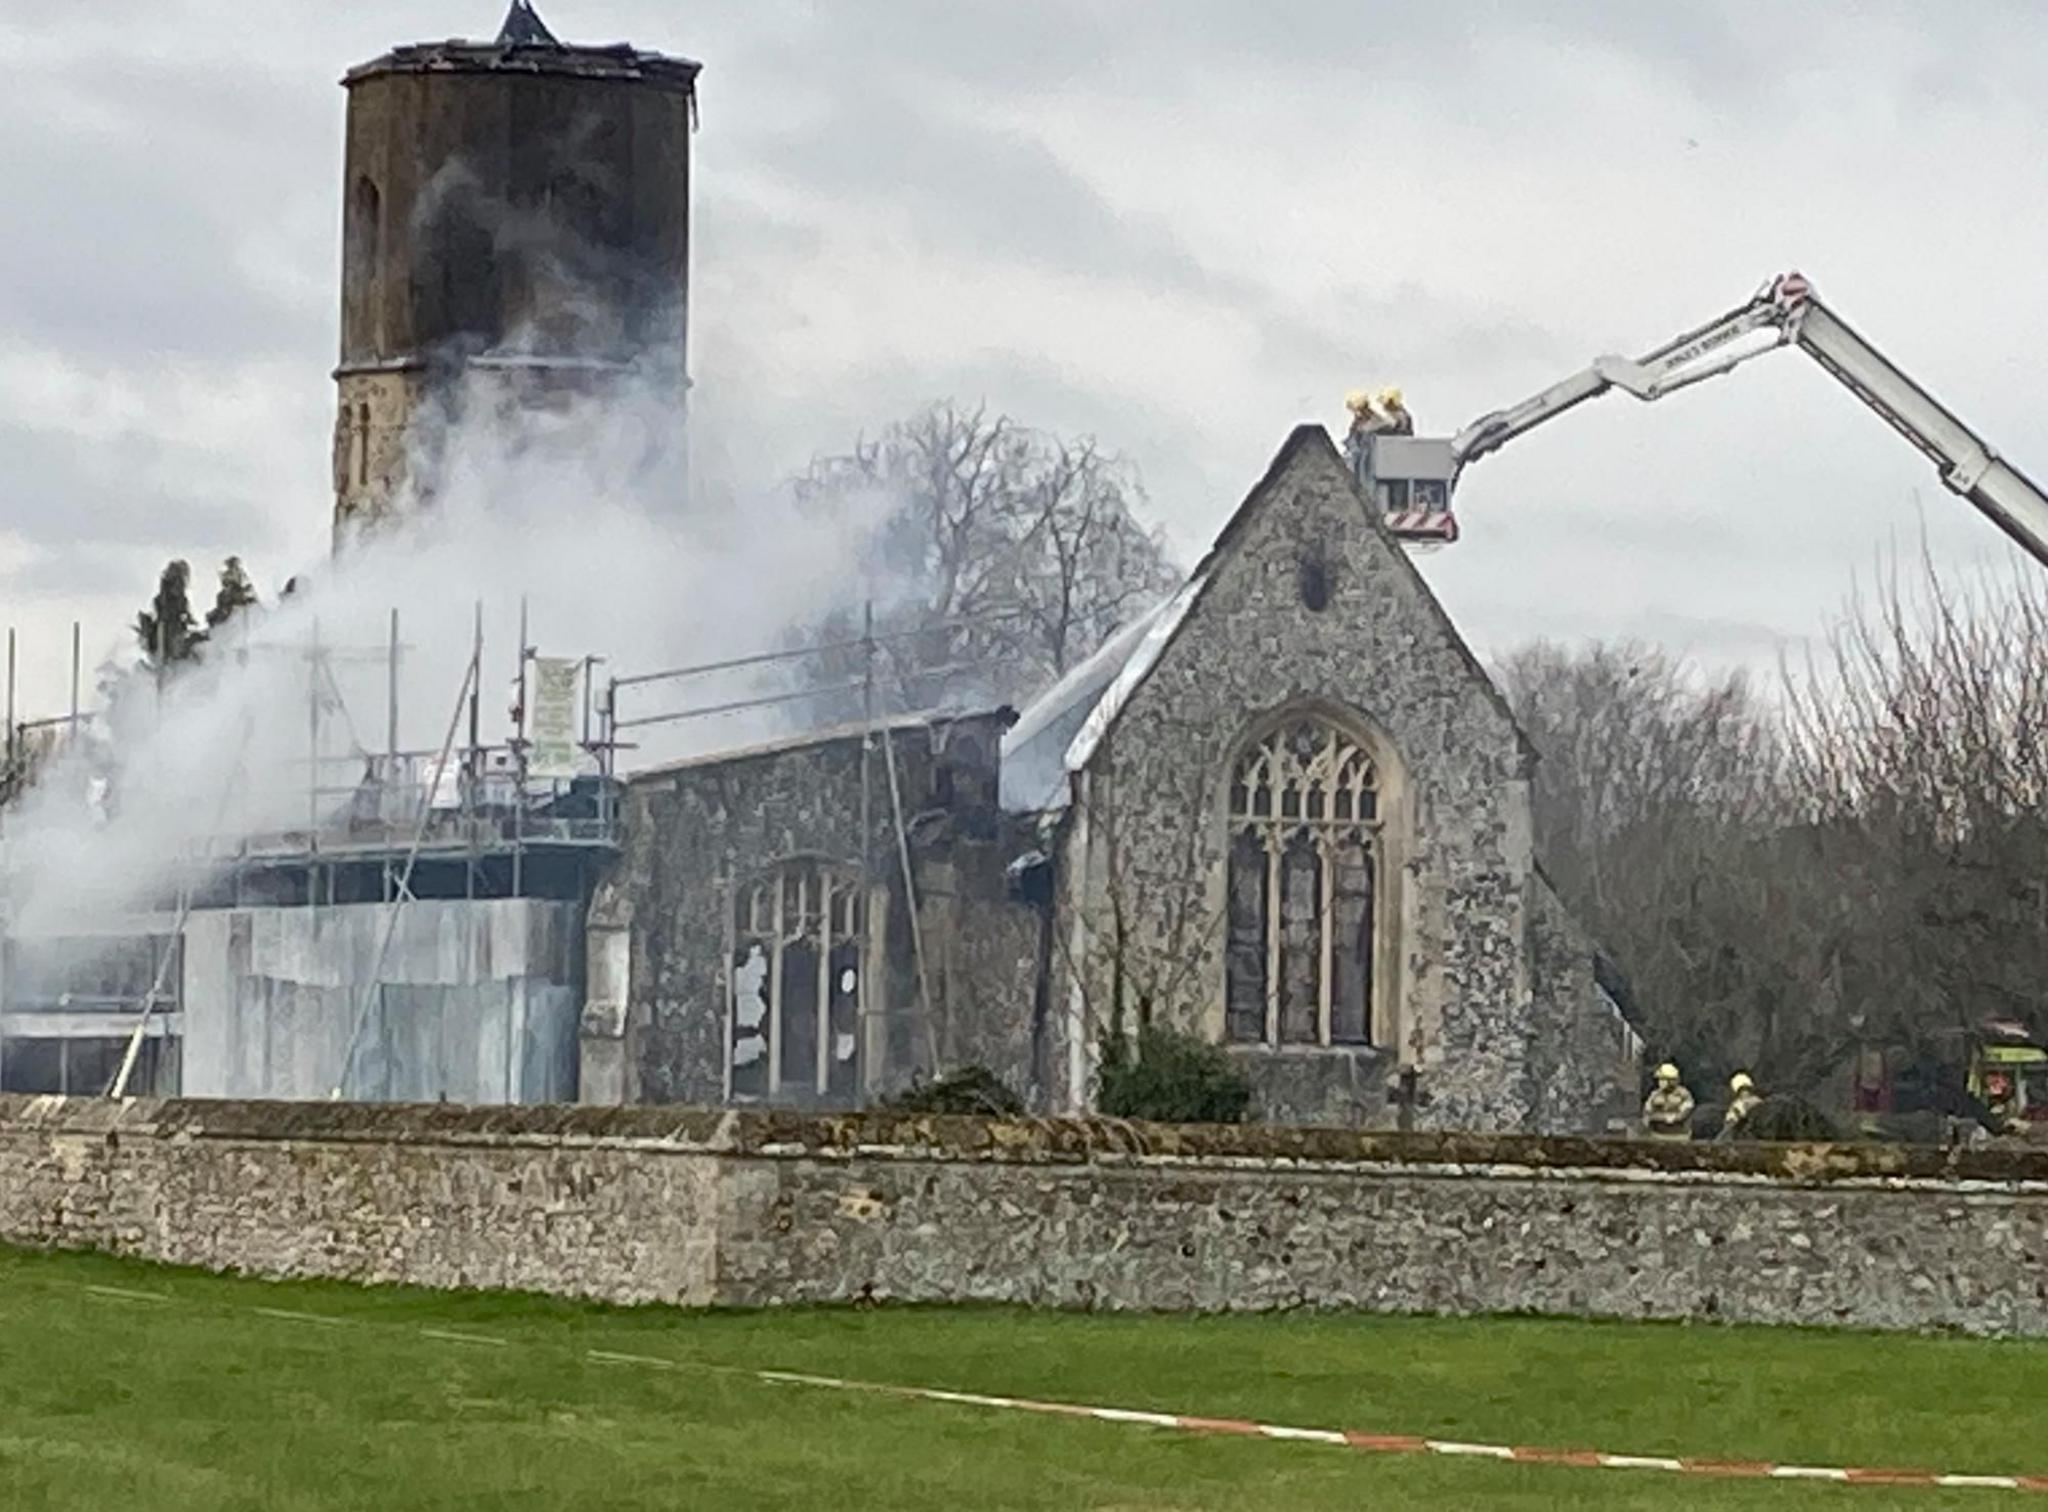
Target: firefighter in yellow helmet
(1667, 1111)
(1366, 422)
(1399, 422)
(1743, 1100)
(1365, 419)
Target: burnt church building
(1285, 810)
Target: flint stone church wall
(750, 1208)
(960, 989)
(1488, 991)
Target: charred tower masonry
(515, 232)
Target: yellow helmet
(1667, 1072)
(1740, 1082)
(1358, 401)
(1389, 398)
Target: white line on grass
(448, 1335)
(124, 1294)
(290, 1316)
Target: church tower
(516, 214)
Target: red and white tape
(1378, 1443)
(1402, 1443)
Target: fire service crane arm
(1698, 354)
(1786, 313)
(1966, 461)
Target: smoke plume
(579, 505)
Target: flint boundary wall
(704, 1206)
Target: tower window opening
(362, 444)
(364, 269)
(366, 227)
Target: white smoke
(577, 506)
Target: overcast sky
(1181, 227)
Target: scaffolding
(25, 743)
(385, 824)
(381, 824)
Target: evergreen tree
(236, 592)
(166, 630)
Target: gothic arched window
(365, 258)
(796, 983)
(1305, 874)
(366, 228)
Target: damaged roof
(1058, 732)
(525, 45)
(928, 719)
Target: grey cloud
(1748, 54)
(1709, 641)
(109, 248)
(980, 189)
(72, 571)
(728, 226)
(1015, 47)
(173, 142)
(1415, 332)
(61, 491)
(1069, 43)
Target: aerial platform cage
(1410, 477)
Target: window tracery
(796, 983)
(1306, 846)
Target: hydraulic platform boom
(1784, 313)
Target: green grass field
(188, 1395)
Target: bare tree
(1662, 817)
(1863, 860)
(1917, 744)
(1628, 738)
(1005, 554)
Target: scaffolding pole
(519, 697)
(391, 697)
(519, 761)
(464, 694)
(867, 743)
(924, 985)
(863, 643)
(10, 704)
(473, 763)
(313, 765)
(119, 1086)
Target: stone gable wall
(1382, 653)
(701, 1206)
(1585, 1062)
